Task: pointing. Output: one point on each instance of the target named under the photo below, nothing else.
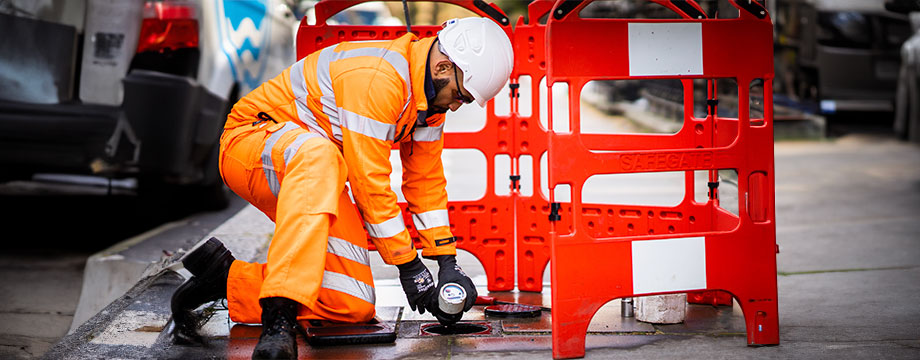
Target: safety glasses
(460, 97)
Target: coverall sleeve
(424, 186)
(369, 104)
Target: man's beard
(439, 84)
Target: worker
(290, 146)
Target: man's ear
(443, 67)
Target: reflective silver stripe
(389, 228)
(432, 133)
(323, 75)
(349, 285)
(328, 55)
(396, 60)
(322, 69)
(267, 166)
(367, 126)
(291, 150)
(299, 87)
(345, 249)
(430, 219)
(329, 108)
(327, 99)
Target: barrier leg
(533, 242)
(569, 330)
(585, 276)
(761, 318)
(570, 303)
(531, 264)
(747, 269)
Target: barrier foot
(568, 332)
(761, 318)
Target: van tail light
(168, 25)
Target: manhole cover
(513, 311)
(480, 328)
(351, 334)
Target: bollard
(626, 307)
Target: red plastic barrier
(484, 227)
(531, 211)
(714, 298)
(631, 250)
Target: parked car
(907, 103)
(132, 89)
(841, 55)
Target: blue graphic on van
(244, 30)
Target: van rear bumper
(167, 128)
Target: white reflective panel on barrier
(669, 265)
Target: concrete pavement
(51, 228)
(848, 226)
(32, 323)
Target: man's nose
(455, 105)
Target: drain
(457, 329)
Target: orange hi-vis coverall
(289, 146)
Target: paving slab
(36, 301)
(877, 305)
(732, 348)
(851, 204)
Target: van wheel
(184, 199)
(211, 194)
(211, 197)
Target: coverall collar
(419, 73)
(429, 91)
(429, 83)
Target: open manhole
(463, 328)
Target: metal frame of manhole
(488, 332)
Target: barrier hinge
(514, 90)
(713, 190)
(712, 103)
(515, 182)
(554, 211)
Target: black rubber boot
(279, 329)
(210, 265)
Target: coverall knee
(318, 255)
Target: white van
(132, 89)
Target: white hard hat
(480, 48)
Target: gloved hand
(418, 285)
(450, 272)
(445, 318)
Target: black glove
(450, 272)
(445, 318)
(418, 285)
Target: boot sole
(260, 354)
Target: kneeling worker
(289, 147)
